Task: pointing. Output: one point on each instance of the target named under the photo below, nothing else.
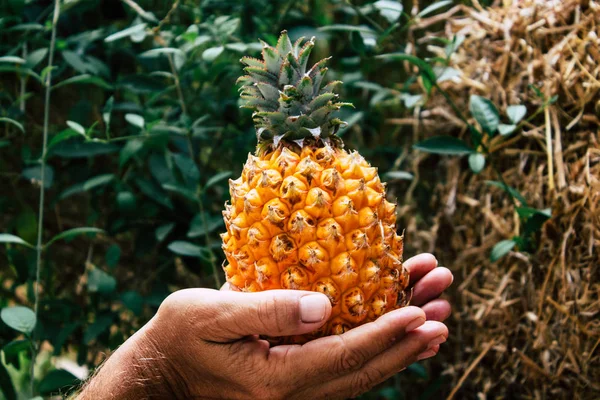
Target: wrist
(139, 369)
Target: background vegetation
(120, 125)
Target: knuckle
(365, 379)
(267, 391)
(347, 359)
(269, 315)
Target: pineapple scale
(316, 219)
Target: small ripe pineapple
(306, 214)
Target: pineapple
(306, 214)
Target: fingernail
(438, 340)
(313, 308)
(426, 354)
(414, 324)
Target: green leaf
(134, 301)
(501, 249)
(88, 185)
(57, 381)
(12, 60)
(188, 169)
(142, 84)
(13, 122)
(76, 127)
(511, 191)
(403, 175)
(187, 249)
(80, 149)
(183, 191)
(8, 238)
(534, 219)
(447, 145)
(485, 113)
(35, 57)
(126, 201)
(62, 136)
(197, 228)
(61, 338)
(76, 61)
(217, 178)
(30, 26)
(357, 42)
(161, 51)
(410, 100)
(526, 212)
(84, 79)
(19, 318)
(476, 162)
(100, 282)
(447, 74)
(99, 326)
(506, 130)
(135, 120)
(238, 47)
(516, 113)
(390, 10)
(34, 173)
(20, 70)
(132, 30)
(12, 352)
(537, 91)
(46, 72)
(6, 385)
(163, 231)
(212, 53)
(71, 233)
(424, 68)
(419, 370)
(433, 7)
(154, 192)
(113, 255)
(129, 150)
(454, 45)
(347, 28)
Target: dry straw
(529, 325)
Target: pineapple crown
(289, 103)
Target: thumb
(270, 313)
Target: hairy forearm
(134, 371)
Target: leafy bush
(120, 127)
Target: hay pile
(527, 326)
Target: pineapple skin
(316, 218)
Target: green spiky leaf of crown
(289, 101)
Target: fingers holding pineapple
(428, 281)
(227, 316)
(214, 337)
(416, 344)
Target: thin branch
(39, 247)
(23, 81)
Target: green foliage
(21, 319)
(143, 131)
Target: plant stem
(190, 148)
(549, 151)
(23, 81)
(177, 84)
(39, 246)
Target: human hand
(204, 343)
